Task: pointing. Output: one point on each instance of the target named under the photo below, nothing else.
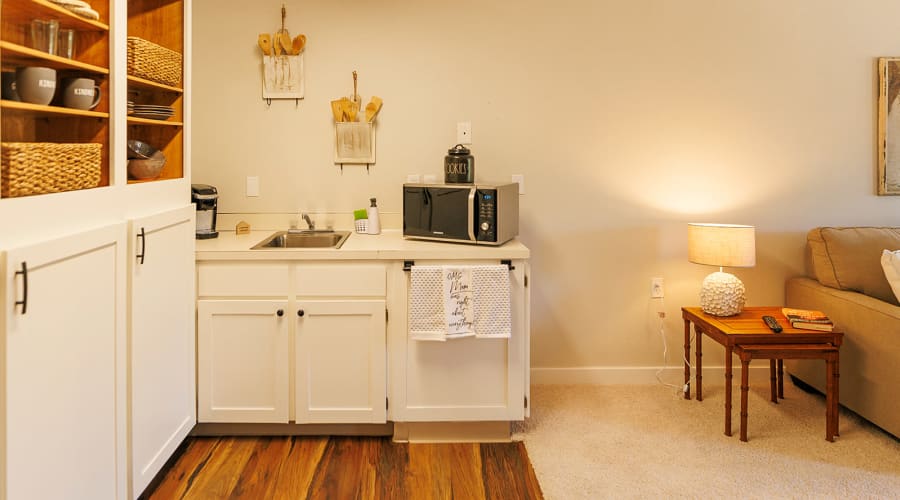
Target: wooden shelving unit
(160, 22)
(24, 122)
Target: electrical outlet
(413, 178)
(464, 133)
(430, 179)
(656, 288)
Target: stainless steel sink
(303, 239)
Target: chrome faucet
(309, 222)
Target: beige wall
(628, 120)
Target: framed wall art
(889, 126)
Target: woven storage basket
(153, 62)
(48, 167)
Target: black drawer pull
(300, 312)
(143, 238)
(280, 312)
(24, 301)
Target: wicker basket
(48, 167)
(153, 62)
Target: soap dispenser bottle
(372, 214)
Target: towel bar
(407, 264)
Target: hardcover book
(808, 319)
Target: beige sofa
(847, 282)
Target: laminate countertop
(389, 245)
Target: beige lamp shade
(723, 245)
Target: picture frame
(888, 126)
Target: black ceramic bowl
(140, 150)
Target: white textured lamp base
(722, 294)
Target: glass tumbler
(66, 43)
(44, 35)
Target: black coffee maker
(205, 198)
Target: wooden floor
(295, 467)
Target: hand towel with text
(448, 302)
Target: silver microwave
(483, 214)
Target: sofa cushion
(890, 261)
(849, 258)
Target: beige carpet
(640, 441)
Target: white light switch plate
(521, 180)
(252, 186)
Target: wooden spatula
(265, 43)
(337, 111)
(373, 108)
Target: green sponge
(360, 214)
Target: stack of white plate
(152, 112)
(130, 107)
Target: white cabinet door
(163, 367)
(467, 379)
(340, 361)
(64, 364)
(242, 362)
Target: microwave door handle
(471, 224)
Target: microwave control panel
(486, 218)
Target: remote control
(772, 323)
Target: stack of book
(808, 320)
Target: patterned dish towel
(448, 302)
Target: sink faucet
(309, 222)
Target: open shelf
(24, 11)
(133, 120)
(18, 54)
(42, 110)
(140, 83)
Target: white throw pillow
(890, 261)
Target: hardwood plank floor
(294, 467)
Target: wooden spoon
(276, 45)
(285, 40)
(265, 43)
(298, 44)
(373, 108)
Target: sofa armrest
(870, 353)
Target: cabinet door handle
(24, 301)
(280, 312)
(300, 312)
(143, 238)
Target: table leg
(687, 356)
(698, 365)
(836, 402)
(773, 389)
(829, 399)
(728, 391)
(745, 388)
(781, 378)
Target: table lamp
(723, 245)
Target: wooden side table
(827, 352)
(747, 327)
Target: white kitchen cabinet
(340, 361)
(63, 391)
(161, 340)
(242, 361)
(460, 380)
(331, 337)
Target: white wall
(628, 120)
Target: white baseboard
(639, 375)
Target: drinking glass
(44, 34)
(66, 44)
